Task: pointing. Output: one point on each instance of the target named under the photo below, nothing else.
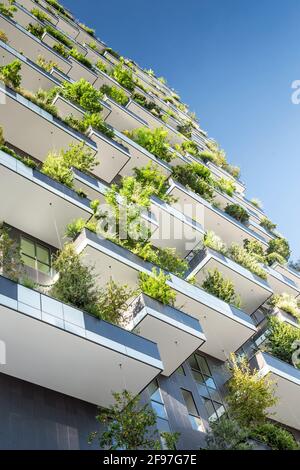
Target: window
(159, 408)
(195, 420)
(35, 255)
(206, 387)
(180, 371)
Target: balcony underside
(66, 108)
(58, 347)
(252, 290)
(31, 47)
(225, 327)
(36, 204)
(33, 130)
(281, 283)
(121, 118)
(287, 388)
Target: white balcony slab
(177, 335)
(280, 283)
(122, 118)
(78, 71)
(288, 273)
(287, 388)
(253, 290)
(87, 362)
(104, 79)
(36, 204)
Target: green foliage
(36, 29)
(246, 259)
(7, 10)
(87, 29)
(10, 74)
(57, 6)
(61, 50)
(40, 98)
(213, 241)
(149, 105)
(90, 120)
(237, 212)
(59, 165)
(74, 228)
(59, 36)
(281, 337)
(156, 286)
(153, 180)
(226, 186)
(226, 434)
(255, 248)
(129, 425)
(267, 224)
(82, 93)
(113, 301)
(115, 54)
(279, 246)
(46, 65)
(287, 303)
(156, 141)
(220, 287)
(117, 94)
(196, 177)
(250, 395)
(101, 66)
(124, 77)
(185, 129)
(275, 437)
(3, 36)
(76, 282)
(81, 58)
(11, 264)
(40, 15)
(256, 203)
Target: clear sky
(233, 62)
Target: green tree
(112, 301)
(124, 77)
(11, 264)
(279, 246)
(129, 425)
(155, 141)
(156, 287)
(83, 93)
(226, 434)
(250, 395)
(274, 436)
(10, 74)
(237, 212)
(217, 285)
(280, 339)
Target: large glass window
(159, 408)
(195, 420)
(207, 387)
(35, 255)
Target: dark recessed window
(195, 420)
(35, 255)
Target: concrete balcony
(287, 388)
(104, 79)
(286, 317)
(67, 108)
(288, 273)
(41, 131)
(30, 4)
(95, 55)
(177, 334)
(32, 47)
(36, 204)
(225, 327)
(281, 283)
(34, 77)
(78, 71)
(253, 290)
(220, 173)
(56, 346)
(212, 218)
(122, 118)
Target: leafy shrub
(275, 437)
(232, 170)
(74, 228)
(185, 129)
(226, 186)
(115, 54)
(281, 337)
(287, 303)
(80, 156)
(76, 282)
(256, 203)
(149, 176)
(57, 168)
(206, 156)
(11, 264)
(101, 66)
(61, 50)
(117, 94)
(3, 36)
(94, 120)
(226, 434)
(81, 58)
(46, 65)
(255, 248)
(113, 301)
(213, 241)
(156, 287)
(40, 98)
(40, 15)
(250, 395)
(237, 212)
(87, 29)
(59, 36)
(10, 74)
(124, 77)
(246, 259)
(156, 141)
(7, 10)
(279, 246)
(267, 224)
(220, 287)
(82, 93)
(196, 177)
(36, 29)
(190, 147)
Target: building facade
(58, 361)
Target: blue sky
(233, 62)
